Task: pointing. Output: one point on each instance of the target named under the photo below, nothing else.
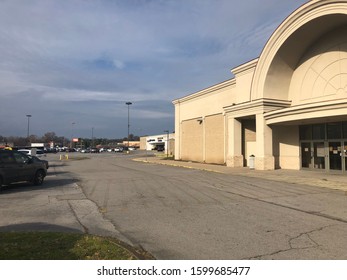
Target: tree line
(62, 141)
(23, 141)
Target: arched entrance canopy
(289, 43)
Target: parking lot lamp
(28, 116)
(72, 124)
(128, 104)
(92, 137)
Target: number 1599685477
(227, 271)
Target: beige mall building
(288, 107)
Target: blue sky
(79, 61)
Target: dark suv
(18, 167)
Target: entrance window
(344, 128)
(318, 131)
(335, 159)
(334, 130)
(305, 155)
(305, 132)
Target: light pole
(167, 143)
(28, 116)
(92, 137)
(72, 124)
(128, 104)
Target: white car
(26, 151)
(33, 152)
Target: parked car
(36, 159)
(18, 167)
(51, 150)
(25, 151)
(119, 149)
(160, 148)
(33, 152)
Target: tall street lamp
(128, 104)
(92, 137)
(72, 124)
(167, 143)
(28, 116)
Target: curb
(321, 181)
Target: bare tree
(49, 137)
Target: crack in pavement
(301, 243)
(85, 229)
(298, 240)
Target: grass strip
(61, 246)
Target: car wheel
(39, 177)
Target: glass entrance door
(319, 155)
(323, 146)
(313, 155)
(335, 156)
(306, 157)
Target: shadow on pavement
(26, 187)
(38, 227)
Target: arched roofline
(294, 23)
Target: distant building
(134, 144)
(162, 142)
(38, 145)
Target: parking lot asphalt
(82, 203)
(331, 180)
(194, 213)
(59, 204)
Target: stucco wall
(192, 140)
(199, 105)
(203, 139)
(210, 102)
(214, 139)
(244, 76)
(286, 147)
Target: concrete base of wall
(235, 161)
(265, 163)
(289, 162)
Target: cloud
(84, 55)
